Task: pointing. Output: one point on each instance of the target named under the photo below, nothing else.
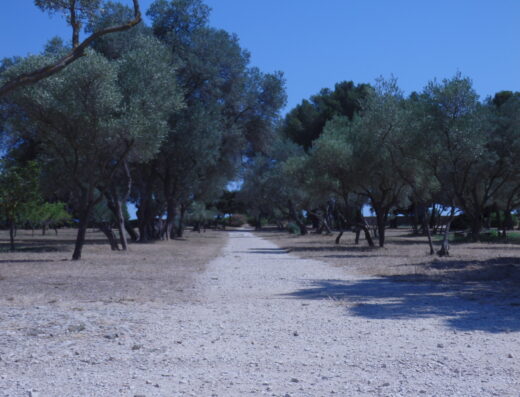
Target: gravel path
(264, 322)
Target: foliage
(230, 112)
(358, 154)
(51, 214)
(77, 13)
(85, 9)
(293, 228)
(19, 190)
(236, 220)
(199, 214)
(166, 115)
(304, 124)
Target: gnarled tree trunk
(82, 230)
(296, 218)
(180, 227)
(106, 228)
(445, 247)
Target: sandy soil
(261, 321)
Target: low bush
(237, 220)
(293, 228)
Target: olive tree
(19, 191)
(77, 13)
(470, 172)
(364, 149)
(230, 111)
(88, 128)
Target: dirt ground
(159, 322)
(41, 272)
(407, 257)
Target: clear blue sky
(318, 43)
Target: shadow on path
(491, 307)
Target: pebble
(338, 349)
(76, 328)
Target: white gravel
(264, 322)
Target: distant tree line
(438, 152)
(161, 116)
(165, 116)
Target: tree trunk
(296, 218)
(320, 223)
(476, 227)
(146, 224)
(131, 232)
(358, 233)
(148, 209)
(326, 226)
(316, 222)
(115, 204)
(338, 237)
(121, 224)
(109, 233)
(342, 224)
(82, 230)
(414, 218)
(180, 227)
(432, 219)
(11, 234)
(171, 209)
(508, 222)
(258, 223)
(426, 228)
(368, 236)
(381, 215)
(445, 247)
(500, 224)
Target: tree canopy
(166, 115)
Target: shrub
(237, 220)
(252, 221)
(293, 228)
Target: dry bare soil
(66, 326)
(257, 319)
(40, 271)
(406, 257)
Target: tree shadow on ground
(319, 248)
(27, 260)
(488, 302)
(52, 244)
(268, 251)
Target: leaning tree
(77, 12)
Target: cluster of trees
(161, 116)
(362, 145)
(22, 203)
(164, 116)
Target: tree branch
(77, 52)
